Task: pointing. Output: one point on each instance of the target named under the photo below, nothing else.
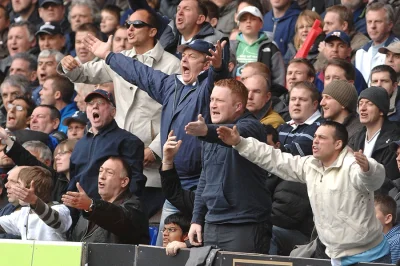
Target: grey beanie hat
(343, 92)
(378, 96)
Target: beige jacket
(341, 196)
(136, 111)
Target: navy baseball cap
(338, 34)
(198, 45)
(102, 93)
(394, 145)
(78, 116)
(51, 28)
(57, 2)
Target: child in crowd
(110, 17)
(253, 45)
(175, 233)
(38, 219)
(385, 209)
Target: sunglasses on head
(137, 24)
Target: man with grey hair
(40, 150)
(21, 38)
(12, 86)
(80, 12)
(24, 64)
(380, 20)
(46, 67)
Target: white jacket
(341, 196)
(364, 61)
(30, 227)
(136, 111)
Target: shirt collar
(309, 121)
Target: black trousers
(248, 237)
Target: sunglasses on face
(137, 24)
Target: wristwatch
(90, 207)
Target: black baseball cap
(102, 93)
(198, 45)
(78, 116)
(51, 28)
(57, 2)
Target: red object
(308, 43)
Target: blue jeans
(167, 210)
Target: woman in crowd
(62, 155)
(303, 27)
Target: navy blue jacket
(282, 28)
(231, 188)
(176, 112)
(92, 151)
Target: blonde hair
(309, 17)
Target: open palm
(97, 47)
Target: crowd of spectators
(258, 126)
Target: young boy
(38, 219)
(253, 45)
(175, 233)
(385, 210)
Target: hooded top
(282, 28)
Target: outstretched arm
(156, 83)
(284, 165)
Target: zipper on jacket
(184, 97)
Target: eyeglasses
(18, 107)
(170, 230)
(99, 102)
(61, 153)
(137, 24)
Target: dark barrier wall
(125, 255)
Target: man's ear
(124, 181)
(57, 95)
(200, 19)
(56, 123)
(214, 22)
(153, 32)
(338, 144)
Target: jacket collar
(309, 121)
(264, 111)
(317, 165)
(112, 126)
(349, 118)
(389, 40)
(384, 138)
(155, 53)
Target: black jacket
(120, 222)
(22, 157)
(390, 131)
(291, 207)
(180, 198)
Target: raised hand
(170, 148)
(78, 200)
(172, 248)
(195, 236)
(229, 136)
(97, 47)
(197, 128)
(24, 194)
(362, 160)
(69, 63)
(216, 58)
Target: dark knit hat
(377, 96)
(343, 92)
